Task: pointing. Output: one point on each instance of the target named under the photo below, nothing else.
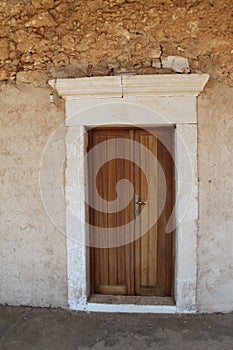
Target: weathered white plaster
(75, 214)
(186, 216)
(79, 111)
(215, 231)
(32, 249)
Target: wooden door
(144, 265)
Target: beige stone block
(4, 52)
(24, 46)
(156, 63)
(3, 75)
(43, 19)
(155, 53)
(35, 78)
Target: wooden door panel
(154, 250)
(144, 266)
(111, 267)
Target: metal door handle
(137, 203)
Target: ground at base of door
(25, 328)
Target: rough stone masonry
(41, 39)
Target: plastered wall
(32, 250)
(215, 163)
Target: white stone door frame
(147, 100)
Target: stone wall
(65, 38)
(73, 38)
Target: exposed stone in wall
(62, 38)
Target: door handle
(137, 204)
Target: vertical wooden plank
(97, 276)
(101, 216)
(131, 246)
(144, 220)
(152, 198)
(169, 258)
(112, 170)
(91, 216)
(165, 241)
(121, 169)
(121, 249)
(129, 216)
(161, 269)
(137, 244)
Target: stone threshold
(129, 304)
(134, 300)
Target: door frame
(140, 101)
